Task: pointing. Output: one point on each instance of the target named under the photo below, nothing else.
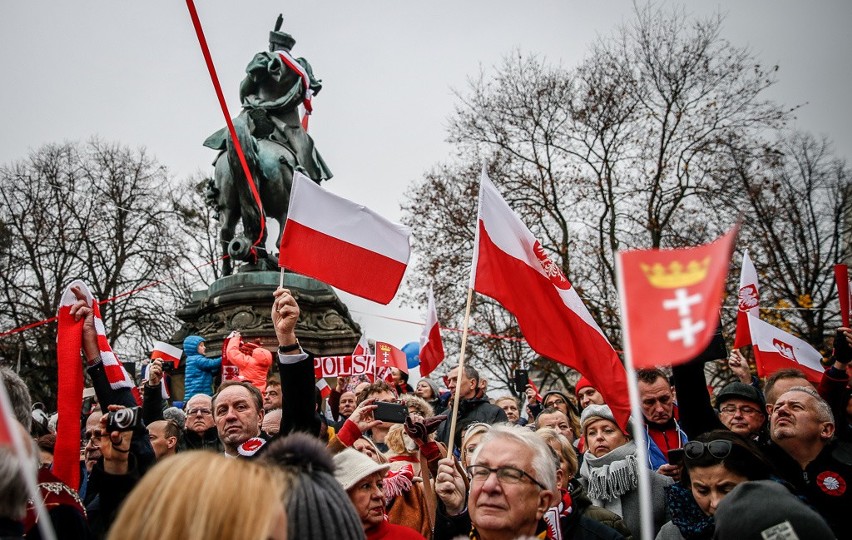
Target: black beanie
(317, 507)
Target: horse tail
(249, 147)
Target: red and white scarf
(69, 343)
(293, 64)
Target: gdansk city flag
(670, 300)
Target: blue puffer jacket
(199, 369)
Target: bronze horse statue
(274, 144)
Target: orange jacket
(253, 368)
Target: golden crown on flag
(676, 275)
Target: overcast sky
(132, 72)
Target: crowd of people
(264, 456)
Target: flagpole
(281, 279)
(647, 530)
(454, 414)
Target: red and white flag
(670, 300)
(166, 353)
(343, 243)
(510, 266)
(387, 357)
(748, 301)
(775, 349)
(324, 388)
(431, 346)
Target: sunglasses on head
(719, 449)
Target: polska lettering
(344, 366)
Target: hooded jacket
(199, 369)
(254, 367)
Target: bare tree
(100, 212)
(626, 150)
(793, 195)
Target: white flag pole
(645, 513)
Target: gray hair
(175, 415)
(13, 484)
(544, 461)
(822, 407)
(19, 395)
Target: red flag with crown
(671, 299)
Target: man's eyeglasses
(505, 475)
(719, 449)
(201, 411)
(744, 409)
(554, 402)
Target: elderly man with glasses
(200, 431)
(512, 487)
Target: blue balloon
(412, 354)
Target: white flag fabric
(431, 346)
(776, 349)
(748, 301)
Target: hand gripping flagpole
(647, 530)
(455, 411)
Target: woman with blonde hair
(198, 495)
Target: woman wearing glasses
(610, 470)
(714, 464)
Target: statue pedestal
(243, 302)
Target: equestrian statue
(275, 144)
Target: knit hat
(738, 390)
(766, 509)
(436, 392)
(316, 505)
(596, 412)
(353, 466)
(582, 383)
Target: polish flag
(431, 346)
(166, 353)
(670, 300)
(324, 389)
(748, 302)
(510, 266)
(343, 243)
(775, 349)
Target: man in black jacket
(471, 409)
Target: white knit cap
(596, 412)
(351, 466)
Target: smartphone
(842, 352)
(395, 413)
(675, 456)
(522, 379)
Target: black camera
(395, 413)
(167, 367)
(124, 419)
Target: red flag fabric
(841, 275)
(166, 352)
(388, 356)
(431, 346)
(748, 301)
(670, 300)
(343, 243)
(775, 349)
(510, 266)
